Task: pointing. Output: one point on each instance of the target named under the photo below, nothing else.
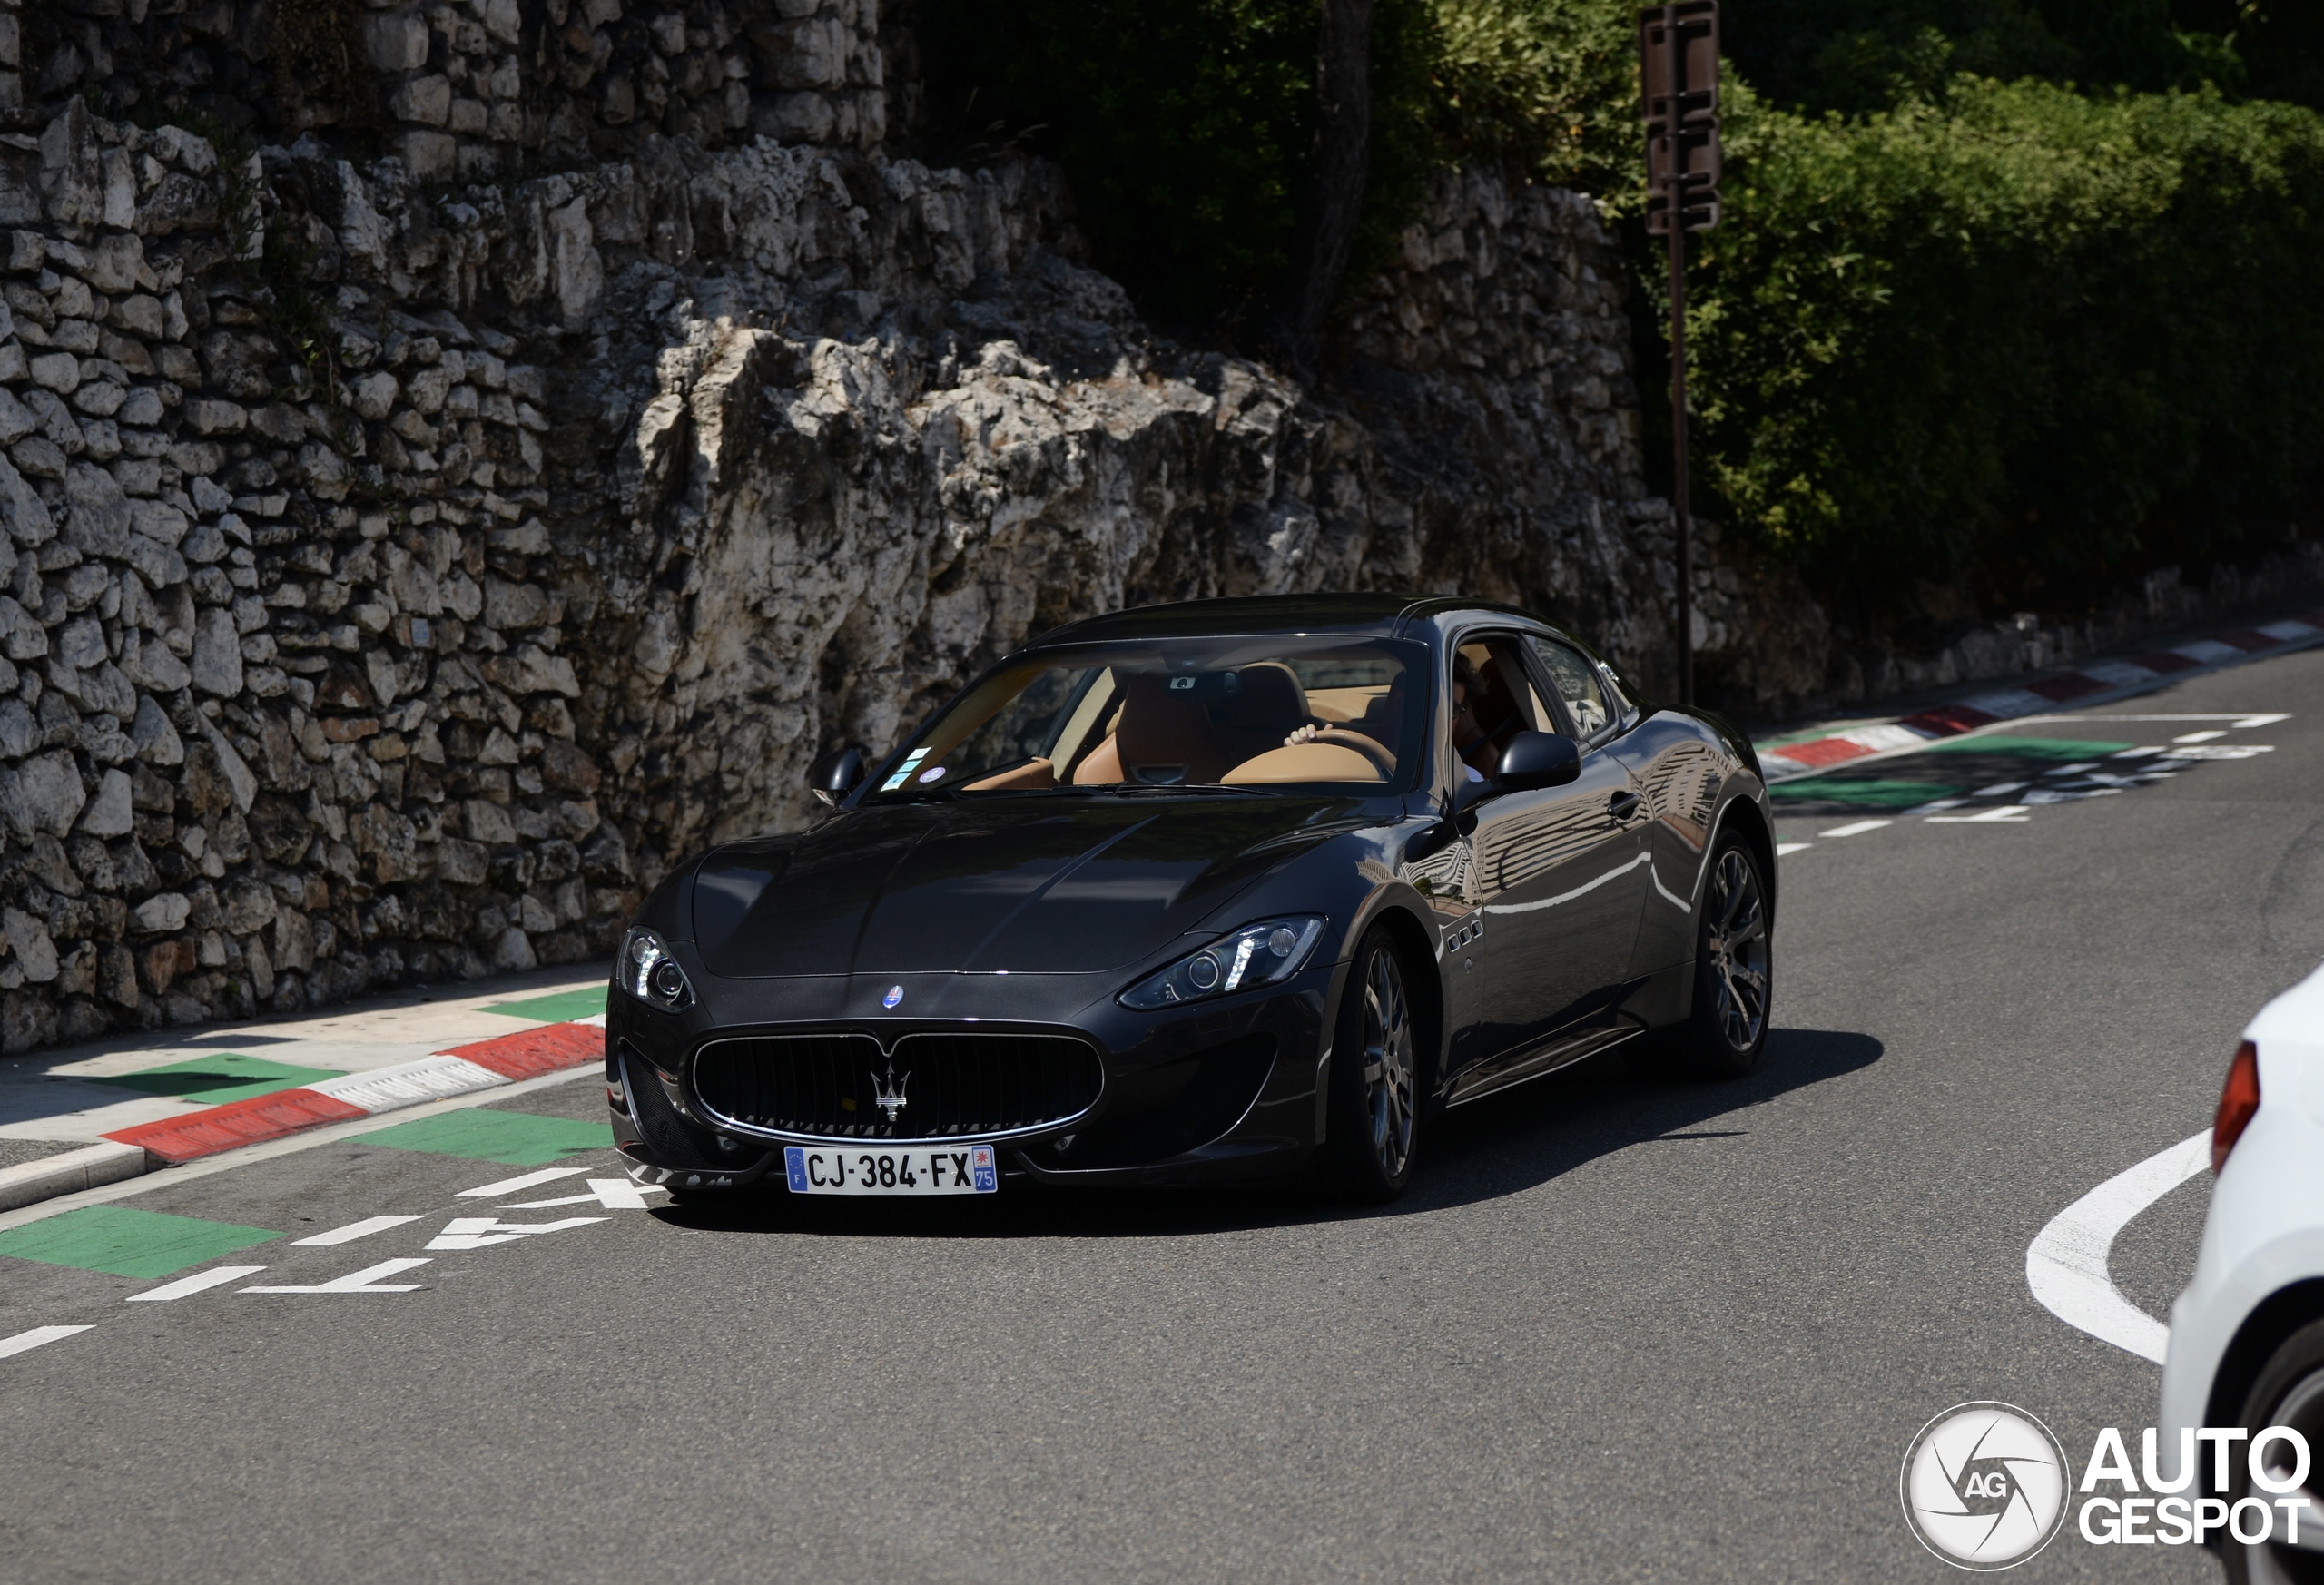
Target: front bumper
(1223, 1092)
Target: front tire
(1374, 1130)
(2290, 1391)
(1734, 968)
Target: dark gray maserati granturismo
(1202, 893)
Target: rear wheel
(1374, 1101)
(1734, 969)
(2290, 1392)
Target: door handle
(1622, 805)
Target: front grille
(949, 1085)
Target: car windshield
(1249, 713)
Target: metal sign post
(1678, 78)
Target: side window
(1577, 683)
(1492, 700)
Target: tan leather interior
(1100, 767)
(1198, 729)
(1036, 773)
(1223, 727)
(1344, 705)
(1305, 761)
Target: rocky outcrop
(845, 502)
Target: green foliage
(1964, 320)
(1184, 125)
(2027, 338)
(1546, 88)
(1845, 56)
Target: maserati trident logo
(890, 1096)
(895, 994)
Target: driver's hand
(1302, 735)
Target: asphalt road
(1626, 1326)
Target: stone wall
(402, 575)
(471, 91)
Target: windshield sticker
(905, 770)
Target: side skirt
(1561, 1049)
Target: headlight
(1258, 954)
(648, 972)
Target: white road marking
(34, 1338)
(354, 1230)
(1999, 790)
(482, 1232)
(509, 1186)
(361, 1281)
(1856, 828)
(2140, 754)
(307, 1140)
(2007, 814)
(1881, 737)
(616, 1194)
(1783, 848)
(200, 1281)
(2224, 751)
(2250, 721)
(2227, 715)
(2199, 737)
(2065, 1266)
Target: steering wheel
(1370, 748)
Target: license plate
(969, 1170)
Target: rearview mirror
(834, 776)
(1537, 759)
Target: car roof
(1387, 615)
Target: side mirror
(834, 776)
(1537, 759)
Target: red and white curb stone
(2110, 679)
(484, 1065)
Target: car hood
(980, 888)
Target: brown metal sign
(1678, 74)
(1678, 90)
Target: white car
(2247, 1336)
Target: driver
(1470, 741)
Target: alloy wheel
(2274, 1561)
(1388, 1063)
(1737, 949)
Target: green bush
(2026, 338)
(1547, 89)
(2011, 335)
